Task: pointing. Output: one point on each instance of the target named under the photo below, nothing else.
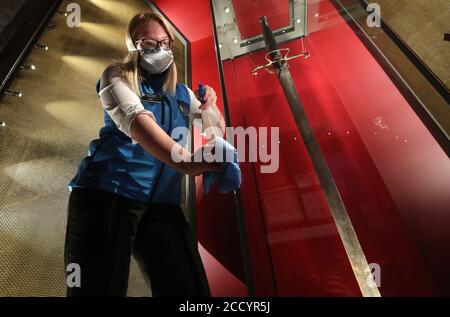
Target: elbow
(133, 126)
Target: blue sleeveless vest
(115, 164)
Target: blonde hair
(128, 67)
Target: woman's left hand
(210, 98)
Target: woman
(125, 197)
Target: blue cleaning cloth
(229, 177)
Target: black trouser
(103, 231)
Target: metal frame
(237, 195)
(227, 29)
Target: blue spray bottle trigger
(201, 92)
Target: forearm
(156, 141)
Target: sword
(343, 223)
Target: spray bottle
(209, 115)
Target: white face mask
(156, 60)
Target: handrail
(434, 125)
(434, 80)
(15, 51)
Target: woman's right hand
(197, 168)
(194, 168)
